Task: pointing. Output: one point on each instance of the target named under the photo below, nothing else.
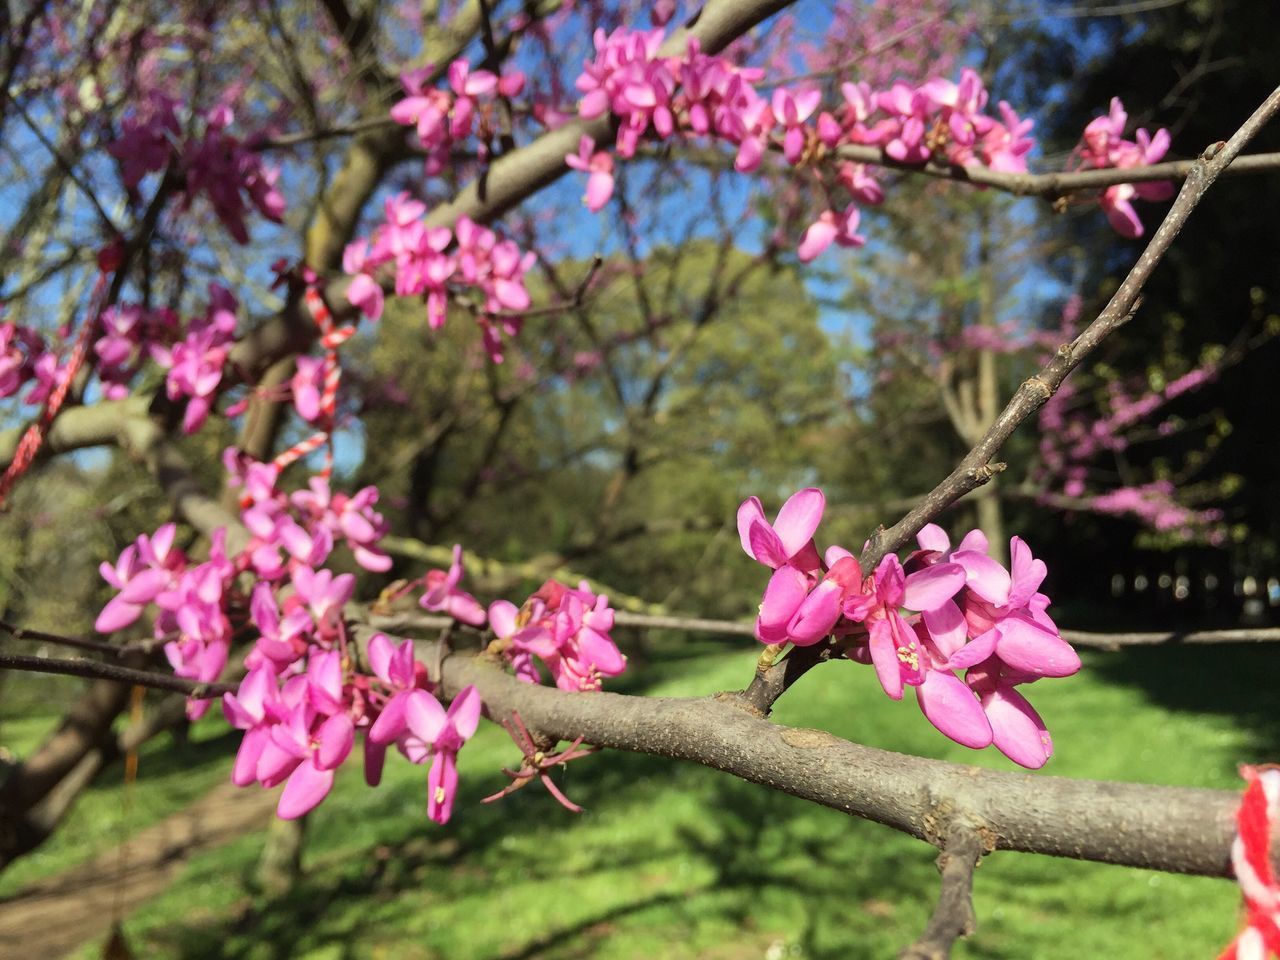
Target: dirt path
(45, 921)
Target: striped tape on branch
(1251, 861)
(109, 259)
(331, 337)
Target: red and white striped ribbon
(331, 337)
(34, 437)
(1259, 815)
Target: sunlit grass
(673, 860)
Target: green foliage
(622, 435)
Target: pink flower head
(894, 647)
(526, 633)
(789, 539)
(145, 569)
(597, 163)
(792, 110)
(304, 753)
(443, 594)
(307, 384)
(281, 641)
(255, 708)
(432, 732)
(324, 594)
(831, 226)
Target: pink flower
(145, 569)
(792, 110)
(599, 165)
(894, 646)
(789, 539)
(443, 594)
(525, 633)
(363, 292)
(567, 629)
(255, 708)
(1103, 145)
(433, 732)
(307, 385)
(401, 674)
(830, 226)
(324, 594)
(304, 755)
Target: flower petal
(951, 707)
(947, 627)
(305, 788)
(986, 577)
(1029, 648)
(1017, 730)
(424, 715)
(799, 518)
(464, 712)
(930, 588)
(884, 656)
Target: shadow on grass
(745, 846)
(174, 756)
(1237, 681)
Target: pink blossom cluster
(567, 630)
(1155, 504)
(939, 120)
(428, 261)
(1073, 436)
(698, 94)
(129, 333)
(216, 164)
(308, 690)
(23, 359)
(195, 362)
(300, 722)
(443, 595)
(945, 610)
(301, 701)
(303, 527)
(1103, 147)
(190, 601)
(442, 118)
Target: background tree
(222, 204)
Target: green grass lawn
(676, 861)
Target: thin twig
(1114, 641)
(1051, 186)
(979, 464)
(953, 917)
(98, 670)
(79, 643)
(573, 302)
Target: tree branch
(1176, 829)
(977, 466)
(953, 917)
(101, 670)
(1052, 186)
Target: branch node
(988, 470)
(953, 917)
(1213, 149)
(1038, 386)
